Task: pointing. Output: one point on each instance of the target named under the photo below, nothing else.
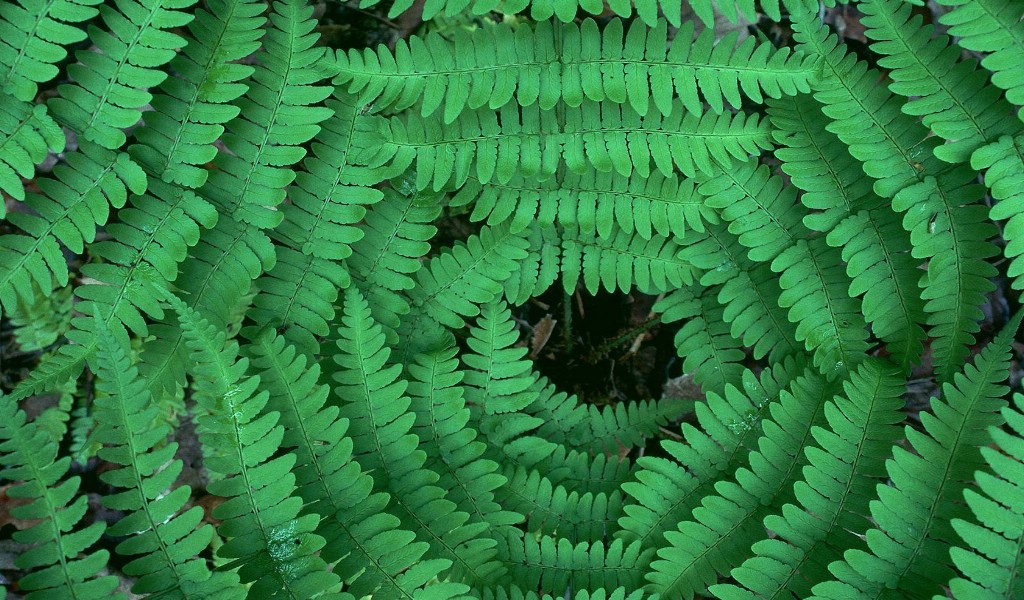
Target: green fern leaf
(726, 523)
(166, 535)
(194, 103)
(995, 534)
(138, 41)
(273, 547)
(58, 562)
(833, 493)
(593, 202)
(910, 544)
(528, 141)
(665, 492)
(543, 65)
(991, 26)
(34, 38)
(951, 95)
(27, 134)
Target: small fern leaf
(952, 96)
(994, 535)
(277, 116)
(705, 343)
(528, 141)
(722, 529)
(72, 205)
(1004, 177)
(623, 262)
(596, 203)
(665, 491)
(58, 562)
(992, 26)
(948, 226)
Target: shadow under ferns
(251, 220)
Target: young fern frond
(167, 537)
(58, 563)
(994, 533)
(268, 541)
(570, 63)
(911, 541)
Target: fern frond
(27, 134)
(34, 38)
(830, 322)
(138, 41)
(593, 202)
(356, 526)
(167, 537)
(747, 291)
(555, 564)
(948, 226)
(881, 268)
(42, 321)
(569, 62)
(1004, 177)
(624, 262)
(704, 343)
(992, 26)
(667, 490)
(994, 536)
(723, 527)
(453, 450)
(377, 408)
(528, 141)
(952, 96)
(890, 145)
(909, 546)
(554, 510)
(565, 10)
(833, 494)
(396, 234)
(193, 104)
(270, 544)
(72, 205)
(58, 562)
(276, 118)
(454, 283)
